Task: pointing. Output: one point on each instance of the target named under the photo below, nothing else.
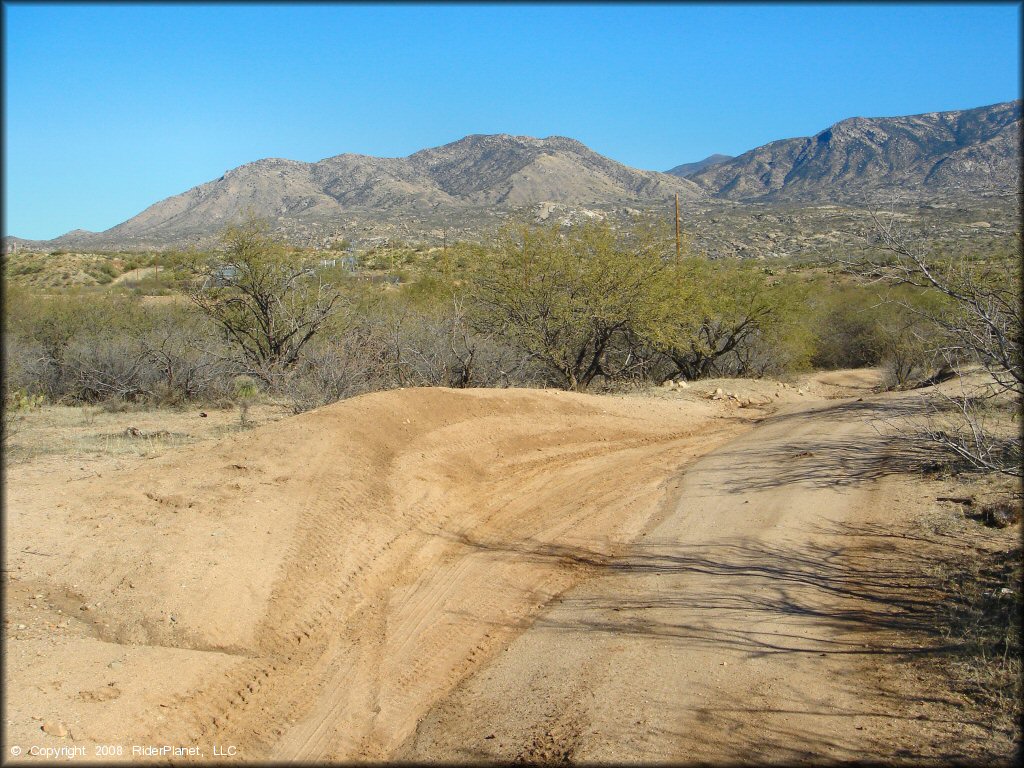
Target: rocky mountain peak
(860, 159)
(490, 173)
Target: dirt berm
(435, 574)
(312, 588)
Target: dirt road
(732, 629)
(440, 574)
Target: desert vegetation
(597, 307)
(257, 329)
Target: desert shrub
(245, 392)
(335, 369)
(430, 342)
(102, 366)
(567, 300)
(25, 268)
(22, 400)
(268, 299)
(907, 346)
(844, 326)
(728, 317)
(105, 267)
(973, 307)
(59, 330)
(191, 362)
(18, 402)
(92, 347)
(856, 325)
(25, 365)
(780, 349)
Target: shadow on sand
(846, 589)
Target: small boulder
(54, 728)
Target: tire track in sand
(401, 540)
(742, 625)
(419, 611)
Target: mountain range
(467, 185)
(974, 152)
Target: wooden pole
(444, 255)
(678, 251)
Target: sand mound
(511, 575)
(380, 547)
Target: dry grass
(91, 432)
(977, 577)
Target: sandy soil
(469, 574)
(134, 275)
(739, 626)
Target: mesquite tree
(980, 320)
(567, 299)
(269, 300)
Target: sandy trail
(484, 574)
(732, 630)
(309, 590)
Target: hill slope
(933, 155)
(493, 171)
(688, 169)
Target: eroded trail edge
(743, 624)
(311, 590)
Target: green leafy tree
(716, 310)
(566, 299)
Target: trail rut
(354, 562)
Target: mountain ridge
(466, 186)
(859, 159)
(688, 169)
(478, 171)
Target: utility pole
(446, 267)
(678, 249)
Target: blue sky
(111, 108)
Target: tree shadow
(849, 590)
(860, 580)
(839, 462)
(894, 447)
